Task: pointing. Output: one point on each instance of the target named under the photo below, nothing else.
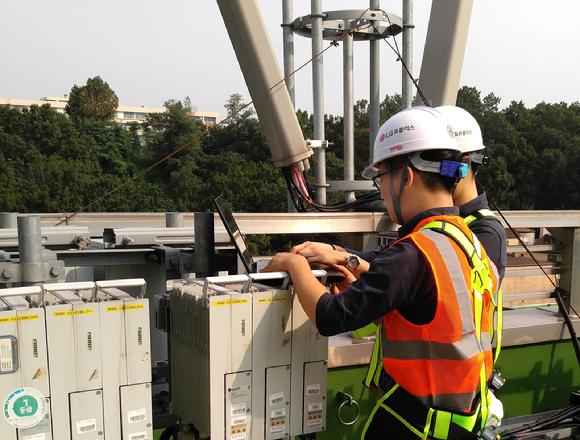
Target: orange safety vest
(441, 362)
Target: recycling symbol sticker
(24, 407)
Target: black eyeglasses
(377, 179)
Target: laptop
(239, 240)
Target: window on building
(140, 116)
(129, 115)
(210, 121)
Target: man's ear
(411, 175)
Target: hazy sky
(152, 51)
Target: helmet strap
(397, 200)
(455, 186)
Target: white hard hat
(411, 130)
(465, 127)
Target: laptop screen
(235, 233)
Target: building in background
(125, 114)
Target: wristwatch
(352, 262)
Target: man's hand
(283, 262)
(306, 285)
(320, 253)
(348, 278)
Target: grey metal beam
(351, 185)
(263, 76)
(174, 219)
(536, 248)
(49, 236)
(532, 271)
(113, 237)
(97, 222)
(444, 51)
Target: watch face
(352, 262)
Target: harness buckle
(489, 433)
(496, 381)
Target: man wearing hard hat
(431, 291)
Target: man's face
(390, 185)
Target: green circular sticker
(25, 407)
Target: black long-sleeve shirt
(399, 278)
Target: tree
(234, 104)
(95, 101)
(167, 132)
(242, 134)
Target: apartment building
(125, 114)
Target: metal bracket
(11, 272)
(314, 144)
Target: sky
(150, 51)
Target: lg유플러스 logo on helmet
(450, 131)
(382, 137)
(396, 148)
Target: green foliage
(95, 101)
(53, 163)
(169, 141)
(531, 151)
(248, 186)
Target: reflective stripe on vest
(418, 356)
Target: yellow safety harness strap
(478, 215)
(371, 379)
(499, 308)
(365, 331)
(398, 409)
